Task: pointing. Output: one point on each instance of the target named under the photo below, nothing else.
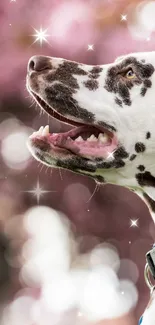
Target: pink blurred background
(112, 28)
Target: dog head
(112, 110)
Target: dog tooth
(40, 130)
(79, 139)
(92, 138)
(45, 130)
(103, 137)
(33, 135)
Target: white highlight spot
(123, 17)
(102, 296)
(147, 15)
(49, 250)
(19, 312)
(90, 47)
(41, 35)
(38, 191)
(134, 223)
(14, 149)
(60, 295)
(105, 254)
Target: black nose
(39, 63)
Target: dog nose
(39, 63)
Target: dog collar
(150, 268)
(148, 272)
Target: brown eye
(130, 74)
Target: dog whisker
(60, 173)
(96, 189)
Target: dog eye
(130, 74)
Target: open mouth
(83, 140)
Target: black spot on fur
(76, 163)
(145, 179)
(133, 157)
(121, 153)
(141, 168)
(150, 202)
(147, 83)
(118, 84)
(105, 165)
(146, 70)
(116, 163)
(124, 93)
(139, 147)
(148, 135)
(73, 68)
(118, 101)
(127, 101)
(60, 94)
(65, 74)
(98, 159)
(94, 73)
(119, 164)
(143, 91)
(93, 76)
(96, 70)
(91, 84)
(61, 99)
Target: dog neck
(148, 200)
(146, 189)
(141, 183)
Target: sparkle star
(134, 223)
(110, 155)
(40, 36)
(38, 191)
(90, 47)
(123, 17)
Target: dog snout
(39, 63)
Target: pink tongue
(95, 149)
(85, 148)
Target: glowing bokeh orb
(102, 296)
(105, 255)
(14, 150)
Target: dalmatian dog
(111, 112)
